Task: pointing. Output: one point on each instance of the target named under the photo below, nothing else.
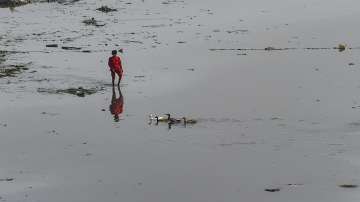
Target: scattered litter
(106, 9)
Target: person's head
(114, 52)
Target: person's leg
(113, 77)
(120, 76)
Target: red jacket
(115, 63)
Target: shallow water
(266, 119)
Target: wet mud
(269, 95)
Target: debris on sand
(11, 70)
(341, 47)
(13, 3)
(273, 190)
(295, 184)
(70, 48)
(348, 186)
(270, 48)
(52, 45)
(80, 91)
(92, 21)
(106, 9)
(7, 180)
(2, 56)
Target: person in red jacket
(115, 66)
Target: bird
(173, 120)
(189, 121)
(163, 119)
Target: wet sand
(266, 119)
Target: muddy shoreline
(271, 89)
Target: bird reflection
(117, 104)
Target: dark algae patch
(106, 9)
(93, 22)
(10, 70)
(80, 91)
(13, 3)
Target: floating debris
(351, 64)
(70, 48)
(106, 9)
(348, 186)
(341, 47)
(295, 184)
(92, 21)
(52, 45)
(273, 190)
(270, 48)
(7, 179)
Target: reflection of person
(115, 66)
(117, 104)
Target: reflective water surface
(285, 120)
